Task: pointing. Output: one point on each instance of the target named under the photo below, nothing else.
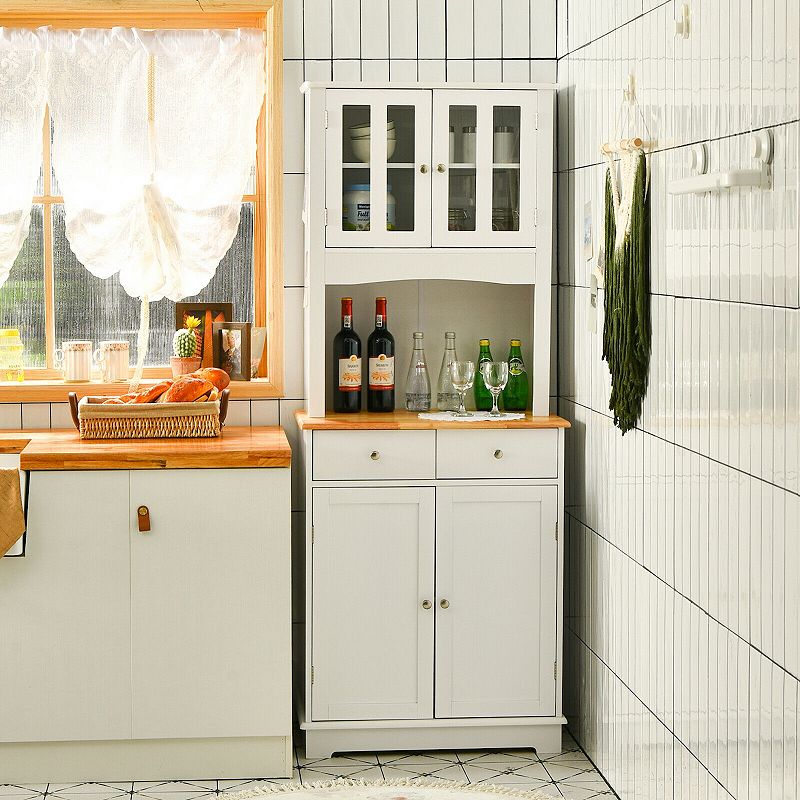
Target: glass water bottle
(446, 395)
(418, 384)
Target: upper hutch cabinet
(456, 168)
(434, 182)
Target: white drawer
(374, 455)
(497, 454)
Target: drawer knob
(498, 453)
(426, 604)
(441, 168)
(423, 169)
(445, 604)
(143, 518)
(374, 455)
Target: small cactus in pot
(184, 346)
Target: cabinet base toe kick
(323, 739)
(145, 759)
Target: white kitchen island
(130, 654)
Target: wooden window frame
(45, 384)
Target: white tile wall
(683, 608)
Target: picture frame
(205, 312)
(232, 349)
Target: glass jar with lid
(11, 351)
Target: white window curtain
(22, 101)
(154, 142)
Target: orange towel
(12, 517)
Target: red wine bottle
(380, 350)
(347, 364)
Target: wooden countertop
(410, 421)
(64, 450)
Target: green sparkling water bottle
(515, 395)
(483, 397)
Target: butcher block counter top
(65, 450)
(410, 421)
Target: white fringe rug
(344, 789)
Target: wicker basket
(96, 420)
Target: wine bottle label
(381, 372)
(379, 320)
(515, 366)
(349, 374)
(347, 321)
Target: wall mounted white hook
(761, 146)
(682, 27)
(698, 158)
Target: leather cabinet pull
(143, 518)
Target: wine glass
(495, 376)
(462, 373)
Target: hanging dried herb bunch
(626, 334)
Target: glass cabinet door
(484, 160)
(378, 177)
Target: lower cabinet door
(496, 567)
(210, 603)
(65, 646)
(373, 563)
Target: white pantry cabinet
(428, 182)
(433, 603)
(170, 647)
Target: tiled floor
(568, 774)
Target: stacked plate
(360, 140)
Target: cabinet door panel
(382, 177)
(496, 562)
(210, 604)
(372, 569)
(485, 151)
(65, 613)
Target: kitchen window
(51, 297)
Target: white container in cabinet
(433, 598)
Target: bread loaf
(218, 377)
(187, 389)
(151, 393)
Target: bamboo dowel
(623, 145)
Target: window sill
(50, 391)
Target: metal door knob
(441, 168)
(445, 604)
(423, 169)
(498, 453)
(426, 604)
(374, 455)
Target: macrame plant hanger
(626, 332)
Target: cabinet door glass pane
(22, 296)
(355, 168)
(401, 173)
(506, 171)
(87, 307)
(462, 171)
